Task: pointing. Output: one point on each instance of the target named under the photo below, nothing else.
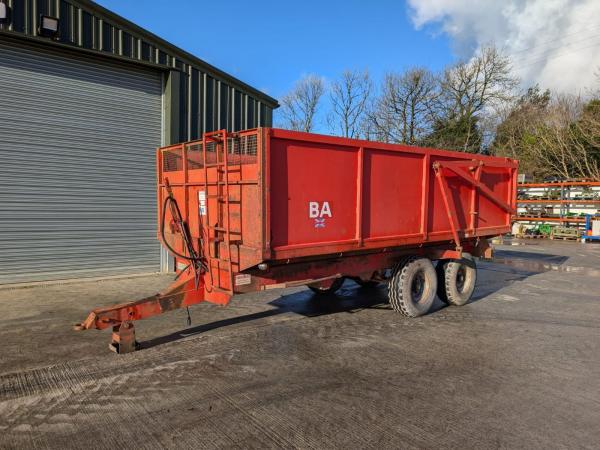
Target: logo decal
(319, 212)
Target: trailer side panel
(331, 195)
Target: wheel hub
(418, 286)
(461, 276)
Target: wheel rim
(461, 277)
(417, 286)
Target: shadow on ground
(349, 299)
(352, 298)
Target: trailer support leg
(184, 292)
(123, 338)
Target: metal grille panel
(240, 150)
(172, 160)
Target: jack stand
(123, 338)
(185, 291)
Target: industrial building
(85, 99)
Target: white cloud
(555, 43)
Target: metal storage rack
(555, 202)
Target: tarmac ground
(517, 367)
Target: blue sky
(270, 44)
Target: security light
(48, 26)
(4, 13)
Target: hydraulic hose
(192, 254)
(197, 262)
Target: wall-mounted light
(4, 13)
(48, 26)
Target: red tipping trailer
(269, 208)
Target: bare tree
(585, 134)
(553, 136)
(298, 107)
(515, 122)
(567, 139)
(551, 146)
(403, 111)
(472, 88)
(349, 100)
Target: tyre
(320, 290)
(413, 286)
(456, 280)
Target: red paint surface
(382, 195)
(305, 172)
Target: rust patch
(171, 302)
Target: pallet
(565, 238)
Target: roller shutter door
(77, 172)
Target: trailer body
(267, 208)
(296, 195)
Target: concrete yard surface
(517, 367)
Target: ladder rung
(231, 242)
(234, 183)
(215, 165)
(214, 137)
(221, 239)
(221, 260)
(230, 183)
(223, 230)
(221, 198)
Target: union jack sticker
(320, 223)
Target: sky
(271, 44)
(555, 43)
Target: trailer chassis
(185, 290)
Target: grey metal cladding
(86, 24)
(77, 179)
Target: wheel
(456, 280)
(321, 290)
(412, 286)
